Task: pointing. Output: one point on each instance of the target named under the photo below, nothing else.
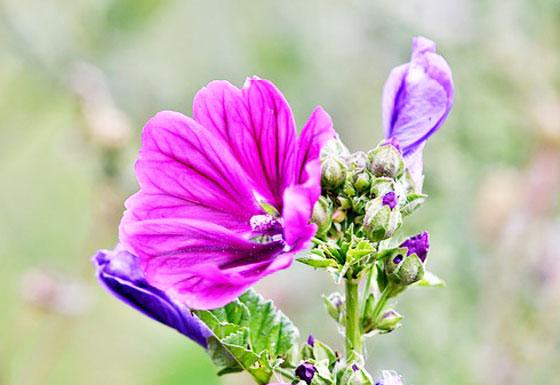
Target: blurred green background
(80, 78)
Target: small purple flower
(225, 198)
(306, 371)
(389, 199)
(418, 244)
(417, 98)
(311, 340)
(118, 271)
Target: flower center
(265, 224)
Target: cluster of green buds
(364, 198)
(371, 192)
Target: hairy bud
(333, 173)
(387, 161)
(404, 270)
(322, 215)
(381, 218)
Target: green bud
(322, 215)
(359, 204)
(334, 148)
(389, 321)
(404, 270)
(381, 186)
(335, 306)
(333, 173)
(339, 216)
(386, 161)
(361, 179)
(343, 202)
(349, 189)
(380, 222)
(357, 160)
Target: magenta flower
(416, 100)
(118, 271)
(225, 198)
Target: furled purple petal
(306, 372)
(300, 198)
(389, 199)
(199, 263)
(119, 272)
(417, 98)
(258, 125)
(418, 244)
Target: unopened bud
(389, 321)
(361, 179)
(343, 202)
(404, 270)
(335, 305)
(357, 160)
(380, 220)
(322, 215)
(333, 173)
(334, 148)
(387, 161)
(381, 186)
(305, 372)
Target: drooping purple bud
(418, 244)
(305, 372)
(393, 141)
(390, 199)
(311, 340)
(417, 98)
(119, 272)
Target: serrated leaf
(249, 334)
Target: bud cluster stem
(381, 302)
(354, 341)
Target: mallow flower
(417, 98)
(225, 197)
(119, 272)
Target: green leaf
(431, 280)
(249, 334)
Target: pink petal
(258, 126)
(300, 198)
(198, 263)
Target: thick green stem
(354, 343)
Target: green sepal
(431, 280)
(413, 202)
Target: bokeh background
(79, 78)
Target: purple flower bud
(390, 199)
(355, 368)
(398, 259)
(119, 272)
(416, 100)
(418, 244)
(311, 340)
(305, 372)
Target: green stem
(381, 302)
(366, 289)
(286, 373)
(354, 343)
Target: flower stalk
(354, 341)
